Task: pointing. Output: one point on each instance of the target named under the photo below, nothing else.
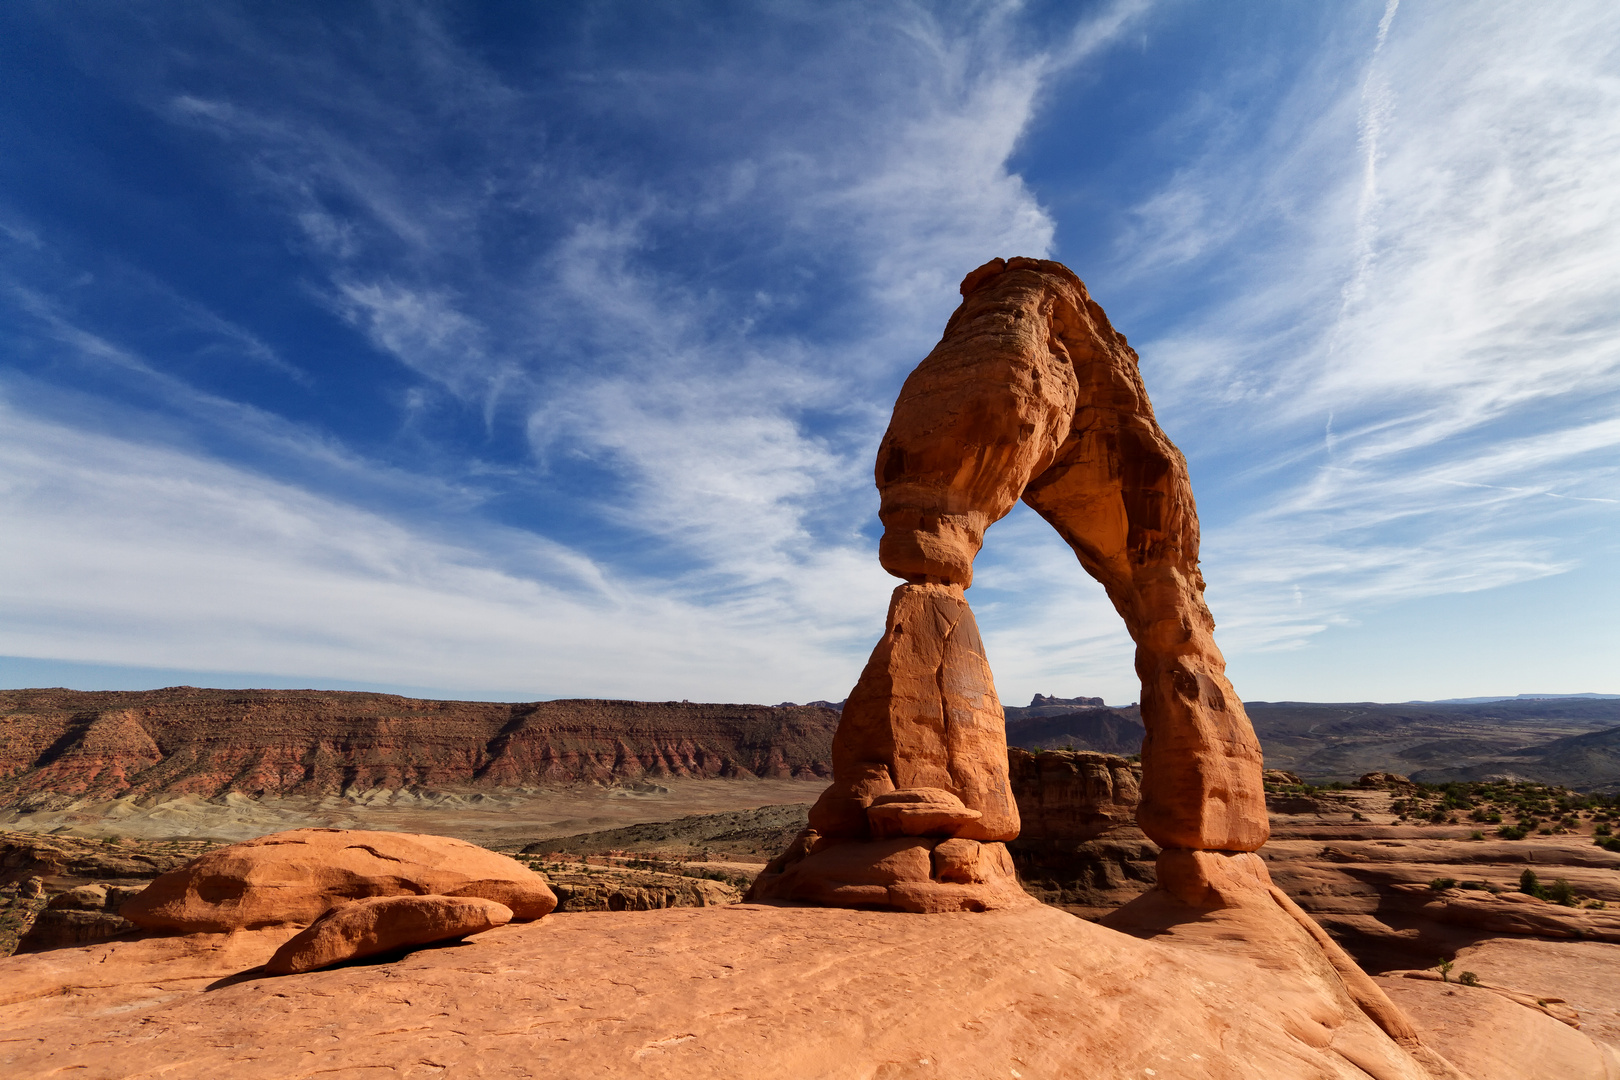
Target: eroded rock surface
(293, 878)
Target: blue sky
(521, 351)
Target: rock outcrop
(79, 915)
(1080, 848)
(186, 741)
(293, 878)
(382, 924)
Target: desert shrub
(1612, 843)
(1468, 978)
(1561, 892)
(1441, 884)
(1603, 829)
(1473, 885)
(1530, 885)
(1511, 832)
(1597, 905)
(1445, 967)
(1476, 835)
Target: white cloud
(1409, 386)
(127, 553)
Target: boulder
(293, 878)
(380, 924)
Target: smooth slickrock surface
(293, 878)
(1485, 1034)
(745, 991)
(381, 924)
(1586, 974)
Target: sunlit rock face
(1030, 394)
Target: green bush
(1602, 830)
(1561, 892)
(1441, 884)
(1530, 885)
(1468, 978)
(1511, 832)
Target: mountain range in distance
(207, 743)
(1512, 697)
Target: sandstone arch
(1030, 394)
(1033, 394)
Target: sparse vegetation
(1445, 967)
(1468, 978)
(1530, 885)
(1561, 892)
(1441, 884)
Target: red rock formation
(380, 924)
(1031, 394)
(293, 878)
(184, 740)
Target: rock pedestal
(920, 799)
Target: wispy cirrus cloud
(698, 365)
(1435, 341)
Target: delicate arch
(1032, 394)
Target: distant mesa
(186, 741)
(1042, 700)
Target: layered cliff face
(186, 741)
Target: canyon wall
(186, 741)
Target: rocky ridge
(61, 744)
